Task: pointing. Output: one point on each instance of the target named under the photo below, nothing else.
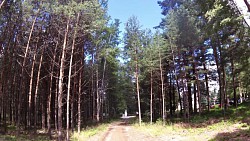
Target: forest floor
(210, 126)
(221, 131)
(233, 125)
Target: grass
(209, 126)
(24, 138)
(89, 132)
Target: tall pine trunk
(31, 86)
(60, 85)
(21, 91)
(50, 91)
(234, 85)
(69, 75)
(162, 90)
(207, 87)
(151, 96)
(37, 86)
(137, 85)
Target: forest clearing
(69, 70)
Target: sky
(243, 9)
(148, 12)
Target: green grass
(89, 132)
(209, 126)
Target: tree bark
(207, 87)
(79, 101)
(137, 85)
(162, 88)
(30, 88)
(69, 76)
(60, 85)
(151, 97)
(37, 85)
(2, 4)
(22, 77)
(234, 85)
(195, 84)
(248, 5)
(50, 92)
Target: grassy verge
(89, 132)
(211, 125)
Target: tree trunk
(97, 94)
(176, 78)
(248, 5)
(234, 85)
(195, 83)
(79, 101)
(2, 4)
(30, 88)
(21, 92)
(37, 85)
(60, 86)
(151, 97)
(189, 88)
(215, 53)
(224, 89)
(207, 87)
(69, 76)
(170, 96)
(162, 90)
(93, 89)
(137, 85)
(50, 92)
(198, 92)
(103, 87)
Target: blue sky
(148, 12)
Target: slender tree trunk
(69, 76)
(93, 89)
(30, 89)
(207, 87)
(60, 86)
(224, 88)
(2, 4)
(176, 78)
(103, 87)
(50, 92)
(248, 5)
(79, 101)
(215, 53)
(170, 96)
(97, 94)
(56, 102)
(137, 85)
(234, 85)
(198, 92)
(20, 97)
(37, 86)
(189, 88)
(185, 81)
(151, 96)
(162, 90)
(173, 90)
(72, 122)
(195, 94)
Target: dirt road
(118, 131)
(121, 131)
